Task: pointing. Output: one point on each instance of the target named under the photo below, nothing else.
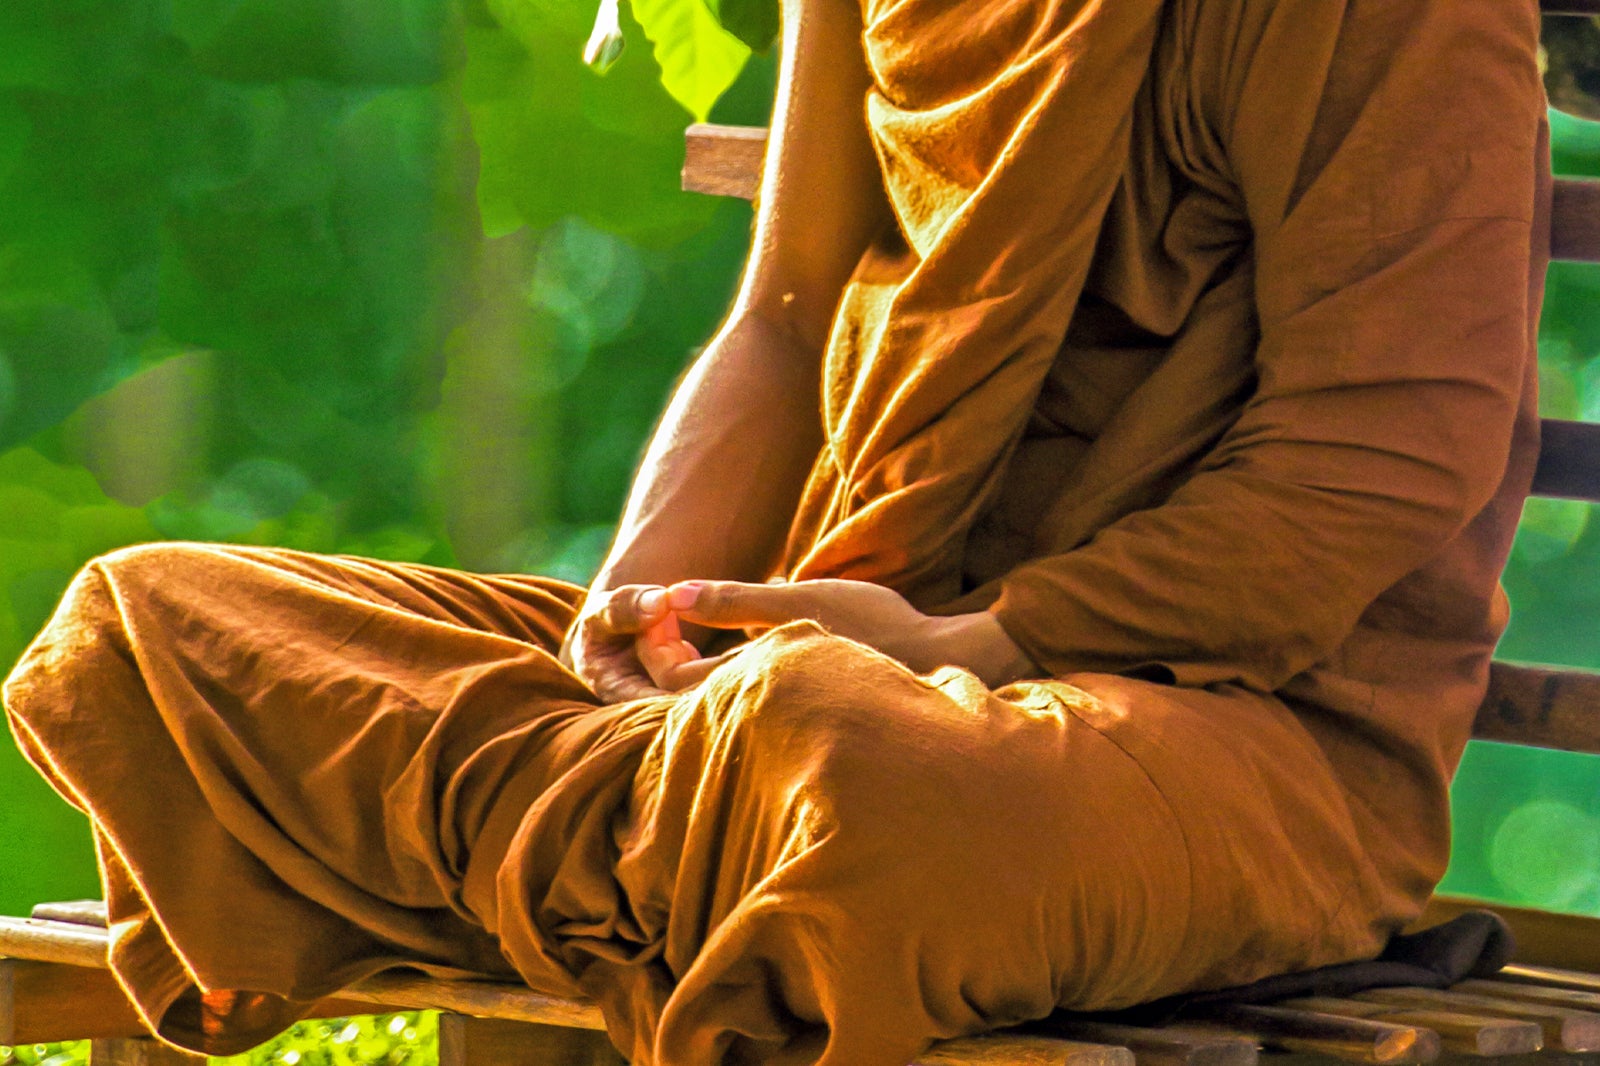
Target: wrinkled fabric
(1200, 353)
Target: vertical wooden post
(140, 1051)
(465, 1041)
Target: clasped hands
(630, 642)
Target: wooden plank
(723, 160)
(1168, 1045)
(140, 1051)
(484, 999)
(465, 1041)
(1569, 459)
(1549, 977)
(1544, 938)
(73, 912)
(75, 945)
(1013, 1049)
(1465, 1034)
(1541, 706)
(1310, 1032)
(1555, 997)
(1575, 221)
(47, 1002)
(1564, 1030)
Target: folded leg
(289, 760)
(822, 858)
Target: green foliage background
(402, 278)
(399, 278)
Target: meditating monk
(1067, 578)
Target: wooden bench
(54, 984)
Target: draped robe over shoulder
(1200, 353)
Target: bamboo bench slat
(1464, 1034)
(1554, 997)
(1167, 1045)
(482, 999)
(1315, 1033)
(73, 912)
(1549, 977)
(30, 938)
(1006, 1049)
(1564, 1029)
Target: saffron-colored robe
(1201, 354)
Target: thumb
(737, 604)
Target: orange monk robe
(1202, 356)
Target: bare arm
(723, 472)
(743, 428)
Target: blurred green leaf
(755, 22)
(620, 179)
(699, 59)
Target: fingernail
(682, 597)
(653, 601)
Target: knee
(145, 563)
(793, 673)
(98, 594)
(801, 692)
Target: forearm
(719, 482)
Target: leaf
(699, 59)
(623, 180)
(755, 22)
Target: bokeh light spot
(1550, 528)
(8, 390)
(587, 284)
(1547, 851)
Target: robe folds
(1200, 352)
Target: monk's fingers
(622, 689)
(678, 678)
(873, 614)
(616, 676)
(629, 609)
(736, 604)
(661, 657)
(666, 631)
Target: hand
(872, 614)
(623, 640)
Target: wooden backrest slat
(1575, 221)
(1569, 460)
(723, 160)
(1542, 707)
(726, 161)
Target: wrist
(979, 643)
